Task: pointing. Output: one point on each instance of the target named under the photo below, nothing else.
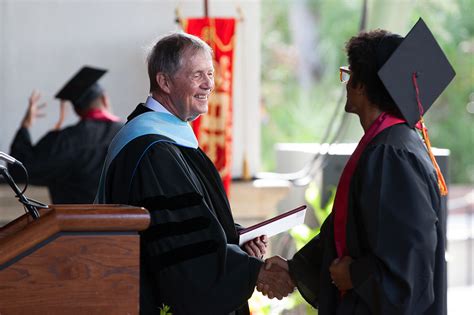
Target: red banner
(214, 130)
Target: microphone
(9, 159)
(28, 205)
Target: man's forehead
(196, 51)
(197, 58)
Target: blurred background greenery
(303, 47)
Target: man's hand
(34, 110)
(278, 261)
(340, 273)
(257, 247)
(274, 279)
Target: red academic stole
(341, 201)
(214, 130)
(100, 114)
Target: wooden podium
(75, 259)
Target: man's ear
(163, 82)
(105, 101)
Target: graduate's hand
(274, 282)
(340, 273)
(62, 115)
(257, 247)
(34, 109)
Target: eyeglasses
(344, 74)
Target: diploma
(273, 226)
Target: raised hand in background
(62, 115)
(34, 109)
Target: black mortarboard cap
(418, 53)
(82, 88)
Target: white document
(273, 226)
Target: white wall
(43, 42)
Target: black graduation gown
(67, 161)
(395, 234)
(190, 259)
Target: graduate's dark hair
(166, 55)
(367, 52)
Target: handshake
(274, 279)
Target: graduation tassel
(443, 188)
(424, 132)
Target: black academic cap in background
(82, 88)
(418, 53)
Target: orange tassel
(441, 183)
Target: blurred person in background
(68, 161)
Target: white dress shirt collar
(153, 104)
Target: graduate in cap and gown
(382, 249)
(190, 258)
(68, 161)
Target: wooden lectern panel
(82, 267)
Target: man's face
(192, 84)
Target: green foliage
(453, 23)
(292, 113)
(165, 310)
(295, 114)
(303, 234)
(295, 300)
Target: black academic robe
(395, 234)
(190, 258)
(68, 161)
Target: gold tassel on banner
(177, 13)
(246, 169)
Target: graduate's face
(355, 97)
(192, 84)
